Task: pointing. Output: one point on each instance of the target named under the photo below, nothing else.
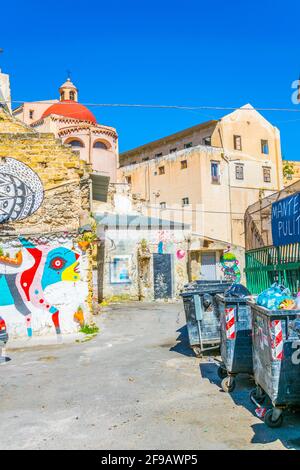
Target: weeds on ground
(92, 329)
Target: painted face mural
(230, 267)
(21, 191)
(48, 266)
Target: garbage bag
(237, 290)
(272, 298)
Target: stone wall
(44, 200)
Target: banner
(286, 220)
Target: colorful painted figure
(230, 266)
(51, 265)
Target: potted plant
(85, 240)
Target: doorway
(162, 275)
(208, 266)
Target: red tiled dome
(70, 109)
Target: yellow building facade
(207, 176)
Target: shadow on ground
(4, 359)
(183, 345)
(288, 434)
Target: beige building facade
(207, 176)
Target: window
(76, 143)
(161, 170)
(31, 113)
(158, 155)
(188, 145)
(128, 179)
(174, 149)
(72, 95)
(62, 96)
(267, 174)
(215, 172)
(100, 145)
(163, 205)
(264, 147)
(239, 172)
(237, 142)
(185, 201)
(206, 140)
(183, 164)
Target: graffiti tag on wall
(21, 191)
(24, 285)
(230, 267)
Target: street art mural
(21, 190)
(166, 242)
(35, 280)
(230, 266)
(180, 254)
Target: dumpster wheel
(257, 396)
(197, 351)
(270, 421)
(228, 384)
(222, 372)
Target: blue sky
(158, 52)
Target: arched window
(62, 96)
(100, 145)
(75, 143)
(72, 95)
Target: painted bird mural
(50, 265)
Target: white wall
(67, 290)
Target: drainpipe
(228, 161)
(229, 183)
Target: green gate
(267, 265)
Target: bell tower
(68, 91)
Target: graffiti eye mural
(57, 263)
(21, 190)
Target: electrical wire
(160, 106)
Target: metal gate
(270, 264)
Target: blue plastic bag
(272, 298)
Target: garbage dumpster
(202, 315)
(276, 360)
(236, 339)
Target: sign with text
(286, 220)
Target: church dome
(70, 109)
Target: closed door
(162, 274)
(208, 267)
